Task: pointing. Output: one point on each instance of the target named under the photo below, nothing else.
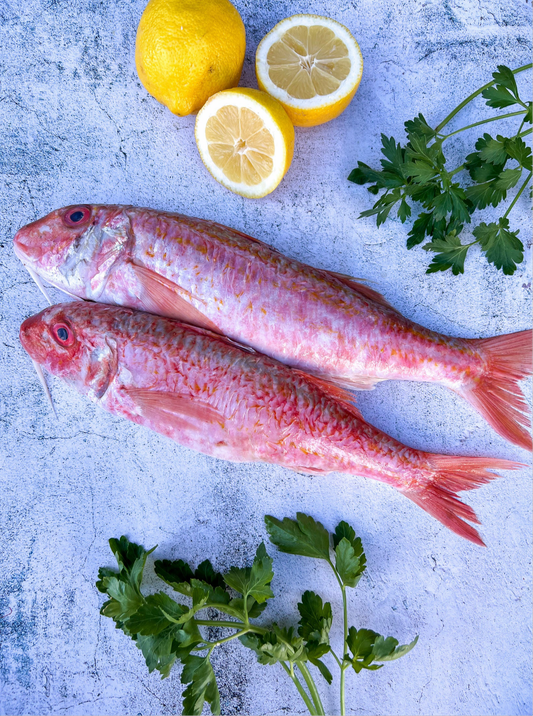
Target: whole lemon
(187, 50)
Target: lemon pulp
(246, 140)
(308, 61)
(312, 65)
(240, 145)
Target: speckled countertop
(77, 126)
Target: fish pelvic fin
(497, 395)
(451, 475)
(163, 297)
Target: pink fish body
(212, 395)
(220, 279)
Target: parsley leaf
(419, 127)
(492, 150)
(517, 149)
(368, 646)
(492, 192)
(416, 172)
(505, 92)
(275, 645)
(450, 253)
(420, 228)
(123, 586)
(302, 536)
(202, 686)
(502, 247)
(314, 651)
(157, 612)
(254, 580)
(167, 631)
(315, 618)
(158, 652)
(131, 559)
(350, 559)
(180, 576)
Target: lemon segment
(312, 65)
(245, 140)
(187, 50)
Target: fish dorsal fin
(339, 394)
(177, 410)
(245, 236)
(165, 298)
(224, 339)
(362, 289)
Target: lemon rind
(210, 108)
(320, 101)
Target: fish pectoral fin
(362, 289)
(165, 298)
(177, 410)
(337, 392)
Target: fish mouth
(25, 261)
(31, 338)
(25, 245)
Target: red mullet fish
(208, 393)
(324, 323)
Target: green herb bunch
(167, 631)
(416, 172)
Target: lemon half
(312, 65)
(246, 140)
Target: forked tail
(497, 395)
(451, 475)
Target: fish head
(76, 248)
(74, 342)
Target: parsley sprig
(416, 172)
(169, 631)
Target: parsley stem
(301, 690)
(315, 710)
(474, 95)
(217, 623)
(456, 171)
(485, 121)
(334, 655)
(525, 133)
(312, 688)
(211, 644)
(343, 667)
(345, 647)
(518, 194)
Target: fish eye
(77, 216)
(63, 334)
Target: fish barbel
(208, 393)
(325, 323)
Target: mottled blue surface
(77, 126)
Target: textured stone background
(77, 126)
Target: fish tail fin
(497, 395)
(451, 475)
